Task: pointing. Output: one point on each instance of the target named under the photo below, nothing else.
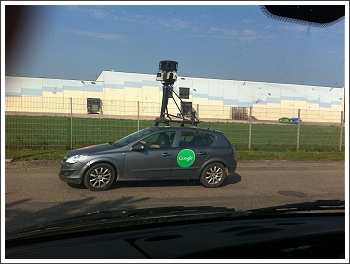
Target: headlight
(76, 158)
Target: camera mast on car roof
(167, 74)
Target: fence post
(71, 123)
(138, 115)
(341, 131)
(197, 111)
(298, 133)
(250, 128)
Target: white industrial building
(124, 94)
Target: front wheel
(213, 175)
(99, 177)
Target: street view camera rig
(167, 74)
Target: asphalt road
(34, 194)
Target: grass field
(59, 134)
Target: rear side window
(223, 141)
(195, 139)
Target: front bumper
(72, 173)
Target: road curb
(289, 164)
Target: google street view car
(155, 153)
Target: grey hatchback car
(154, 153)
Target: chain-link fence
(68, 123)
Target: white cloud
(246, 20)
(108, 36)
(94, 12)
(175, 24)
(134, 18)
(251, 35)
(295, 28)
(99, 14)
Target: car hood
(148, 217)
(92, 149)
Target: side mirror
(138, 146)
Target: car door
(153, 161)
(192, 150)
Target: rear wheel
(213, 175)
(99, 177)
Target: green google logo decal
(185, 158)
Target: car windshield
(231, 106)
(133, 137)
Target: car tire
(213, 175)
(99, 177)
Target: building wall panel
(121, 91)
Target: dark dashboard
(295, 236)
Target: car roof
(184, 128)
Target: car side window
(159, 140)
(195, 139)
(208, 140)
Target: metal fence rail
(61, 126)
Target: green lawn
(50, 137)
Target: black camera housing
(168, 66)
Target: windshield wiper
(319, 205)
(124, 218)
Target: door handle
(202, 153)
(165, 154)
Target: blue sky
(218, 40)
